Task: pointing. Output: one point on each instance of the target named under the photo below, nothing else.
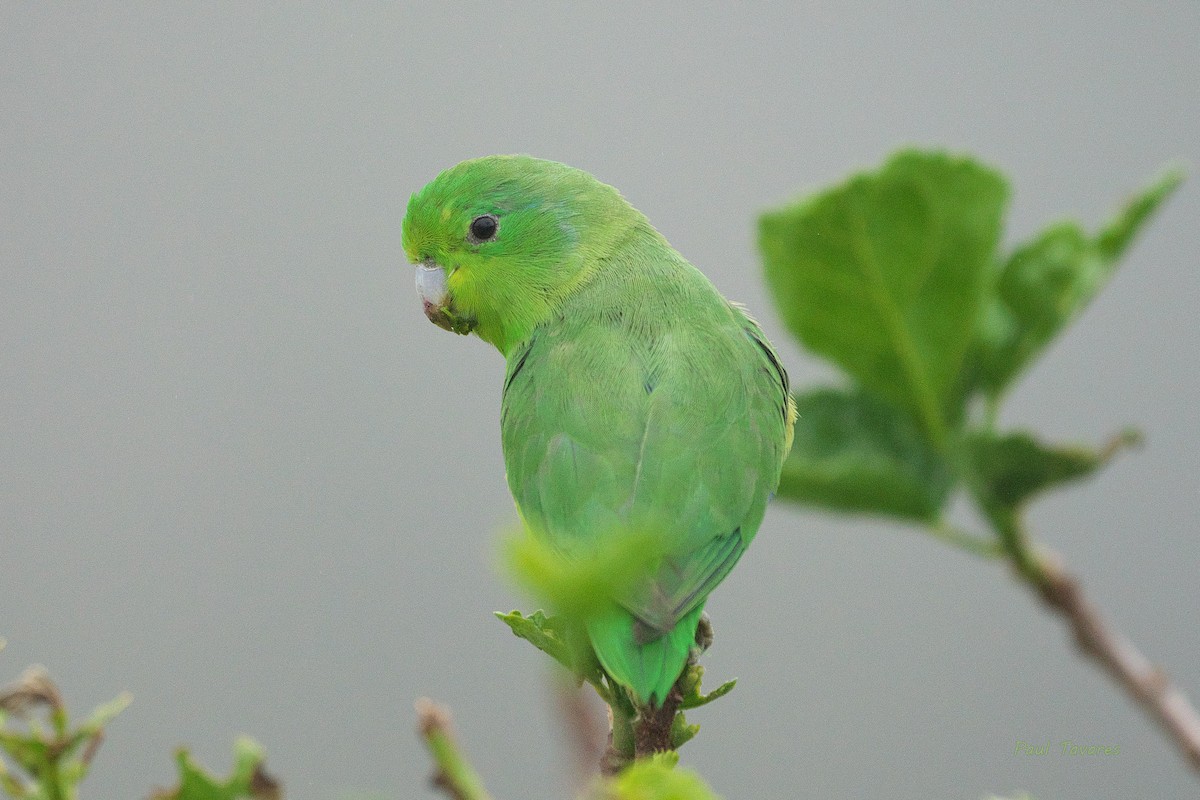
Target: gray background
(243, 477)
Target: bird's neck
(518, 315)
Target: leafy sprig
(897, 277)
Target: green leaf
(545, 633)
(1048, 282)
(48, 755)
(853, 452)
(657, 778)
(249, 781)
(29, 751)
(582, 589)
(682, 731)
(1012, 468)
(885, 275)
(693, 696)
(555, 637)
(88, 736)
(94, 725)
(105, 713)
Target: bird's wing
(679, 427)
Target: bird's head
(500, 241)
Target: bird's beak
(435, 297)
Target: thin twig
(1128, 439)
(1147, 683)
(454, 775)
(91, 748)
(1042, 571)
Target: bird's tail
(647, 668)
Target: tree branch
(454, 775)
(1144, 681)
(652, 728)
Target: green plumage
(636, 397)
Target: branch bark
(1144, 681)
(1120, 658)
(652, 728)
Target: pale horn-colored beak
(435, 298)
(431, 283)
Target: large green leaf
(854, 452)
(1011, 468)
(885, 274)
(1047, 282)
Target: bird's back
(647, 403)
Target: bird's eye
(484, 228)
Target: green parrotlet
(636, 397)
